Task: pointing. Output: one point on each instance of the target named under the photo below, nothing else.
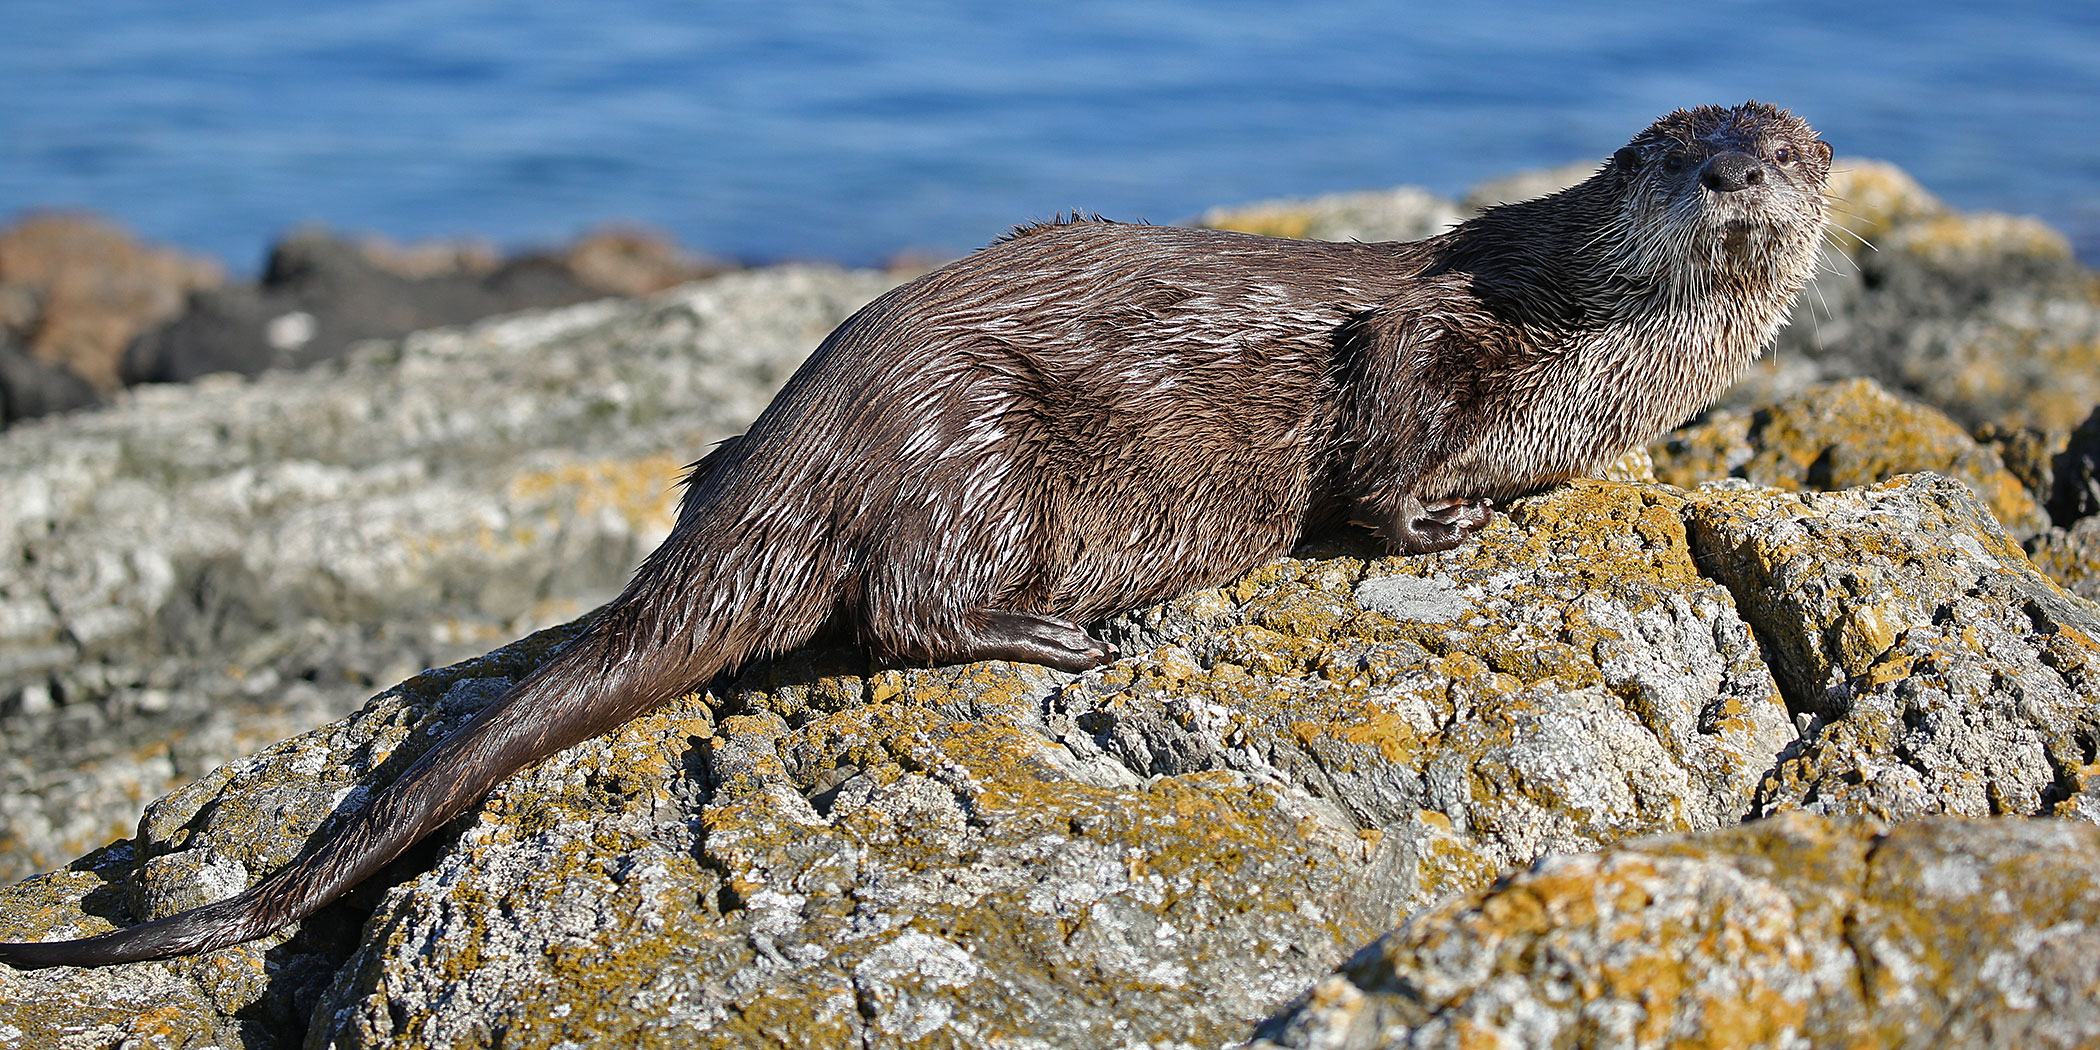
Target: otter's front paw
(1440, 526)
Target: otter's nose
(1731, 171)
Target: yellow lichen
(1277, 220)
(1868, 198)
(642, 491)
(1967, 238)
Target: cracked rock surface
(1936, 669)
(1161, 851)
(1792, 932)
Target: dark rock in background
(86, 309)
(2074, 489)
(31, 388)
(320, 293)
(74, 291)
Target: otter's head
(1727, 194)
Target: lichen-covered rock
(1875, 198)
(197, 571)
(1554, 686)
(1838, 436)
(2028, 452)
(1792, 932)
(2071, 556)
(1164, 850)
(2074, 476)
(1937, 670)
(1402, 214)
(1167, 848)
(1987, 317)
(893, 859)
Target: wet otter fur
(1087, 417)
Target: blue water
(853, 131)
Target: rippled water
(852, 131)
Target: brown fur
(1087, 417)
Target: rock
(2028, 452)
(1168, 848)
(633, 262)
(76, 290)
(2066, 467)
(2071, 556)
(1526, 185)
(321, 294)
(2074, 490)
(1783, 933)
(1872, 198)
(429, 259)
(1842, 435)
(31, 388)
(1986, 317)
(200, 570)
(1176, 845)
(1933, 668)
(1402, 214)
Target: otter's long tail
(588, 688)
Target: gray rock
(1934, 669)
(2071, 556)
(1405, 213)
(31, 388)
(2074, 491)
(1163, 850)
(1784, 933)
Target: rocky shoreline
(86, 310)
(1856, 599)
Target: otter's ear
(1822, 150)
(1626, 159)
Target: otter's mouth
(1743, 240)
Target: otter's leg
(1002, 634)
(941, 612)
(1421, 528)
(990, 634)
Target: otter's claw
(1426, 528)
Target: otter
(1087, 417)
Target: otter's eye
(1782, 155)
(1627, 158)
(1673, 162)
